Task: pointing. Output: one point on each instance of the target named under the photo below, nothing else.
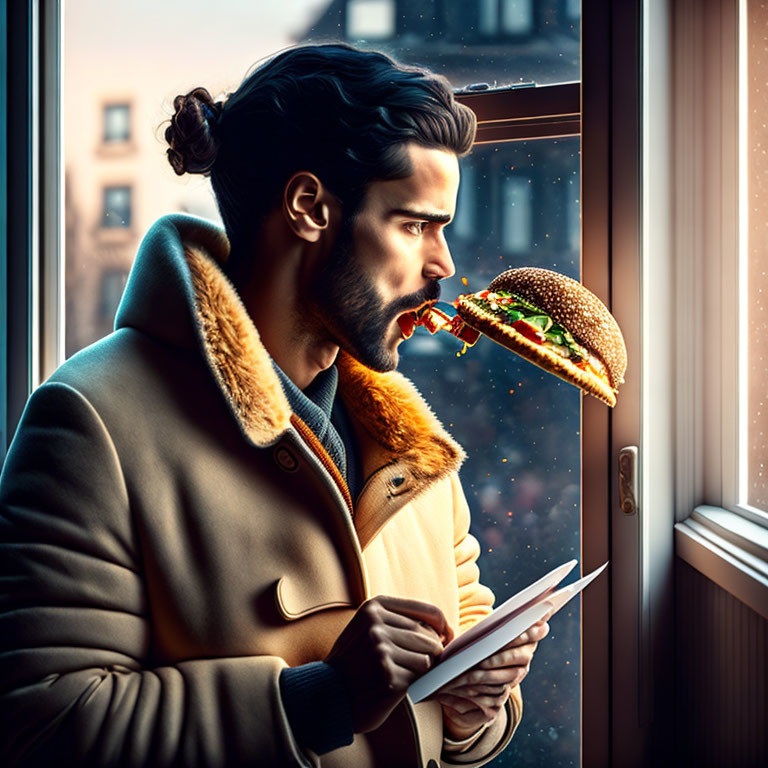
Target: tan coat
(173, 536)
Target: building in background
(499, 42)
(117, 182)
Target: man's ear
(307, 206)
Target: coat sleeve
(75, 634)
(475, 603)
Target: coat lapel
(404, 445)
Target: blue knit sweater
(314, 696)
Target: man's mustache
(430, 292)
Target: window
(753, 490)
(573, 9)
(117, 123)
(463, 224)
(517, 17)
(488, 21)
(522, 479)
(516, 213)
(722, 448)
(116, 211)
(112, 285)
(506, 17)
(370, 19)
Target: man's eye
(416, 227)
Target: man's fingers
(411, 640)
(416, 664)
(512, 657)
(400, 621)
(479, 689)
(499, 676)
(457, 703)
(502, 676)
(421, 611)
(488, 705)
(531, 635)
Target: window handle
(628, 479)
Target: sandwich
(552, 321)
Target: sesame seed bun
(570, 305)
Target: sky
(237, 35)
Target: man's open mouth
(434, 320)
(409, 320)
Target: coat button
(432, 764)
(285, 459)
(396, 485)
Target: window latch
(628, 479)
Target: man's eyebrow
(439, 218)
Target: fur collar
(386, 405)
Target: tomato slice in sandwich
(528, 330)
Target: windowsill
(116, 148)
(729, 550)
(113, 235)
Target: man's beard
(346, 300)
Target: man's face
(387, 261)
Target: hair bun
(191, 135)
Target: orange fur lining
(237, 357)
(395, 415)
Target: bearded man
(232, 533)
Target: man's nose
(440, 263)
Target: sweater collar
(178, 292)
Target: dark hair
(332, 109)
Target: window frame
(33, 291)
(724, 540)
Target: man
(211, 557)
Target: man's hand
(474, 698)
(388, 643)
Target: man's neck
(296, 343)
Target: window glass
(519, 425)
(370, 19)
(516, 213)
(112, 285)
(757, 266)
(487, 17)
(117, 122)
(117, 207)
(498, 42)
(517, 17)
(518, 204)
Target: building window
(487, 17)
(117, 207)
(464, 222)
(370, 19)
(117, 123)
(112, 287)
(516, 214)
(505, 17)
(573, 10)
(517, 17)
